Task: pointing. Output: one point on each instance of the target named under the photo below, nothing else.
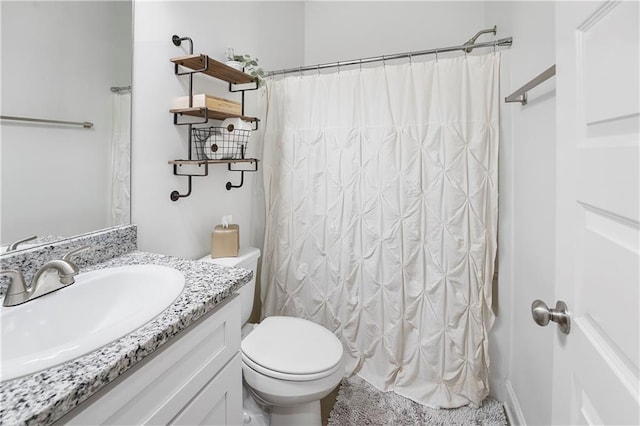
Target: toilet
(288, 363)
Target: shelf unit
(203, 64)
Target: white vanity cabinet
(195, 378)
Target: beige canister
(225, 241)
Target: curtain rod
(85, 124)
(120, 89)
(520, 95)
(465, 47)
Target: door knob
(542, 315)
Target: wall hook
(175, 195)
(230, 185)
(177, 40)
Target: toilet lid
(292, 346)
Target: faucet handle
(17, 290)
(67, 256)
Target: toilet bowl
(288, 363)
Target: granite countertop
(43, 397)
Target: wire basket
(220, 143)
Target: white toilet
(288, 363)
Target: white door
(596, 365)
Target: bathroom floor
(359, 403)
(326, 405)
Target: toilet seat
(290, 348)
(287, 376)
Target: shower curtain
(120, 170)
(381, 215)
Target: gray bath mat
(358, 403)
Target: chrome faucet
(53, 275)
(14, 245)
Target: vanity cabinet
(195, 378)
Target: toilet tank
(248, 259)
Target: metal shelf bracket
(175, 195)
(230, 185)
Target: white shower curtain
(120, 196)
(381, 215)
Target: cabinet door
(160, 386)
(219, 402)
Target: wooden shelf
(212, 114)
(202, 162)
(206, 65)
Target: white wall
(272, 31)
(350, 30)
(59, 60)
(522, 353)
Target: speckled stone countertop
(43, 397)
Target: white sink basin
(100, 307)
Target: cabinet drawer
(159, 387)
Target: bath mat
(359, 403)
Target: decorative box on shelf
(210, 102)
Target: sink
(100, 307)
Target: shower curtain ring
(300, 71)
(410, 59)
(360, 61)
(338, 66)
(318, 68)
(384, 61)
(436, 55)
(494, 48)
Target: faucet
(14, 245)
(53, 275)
